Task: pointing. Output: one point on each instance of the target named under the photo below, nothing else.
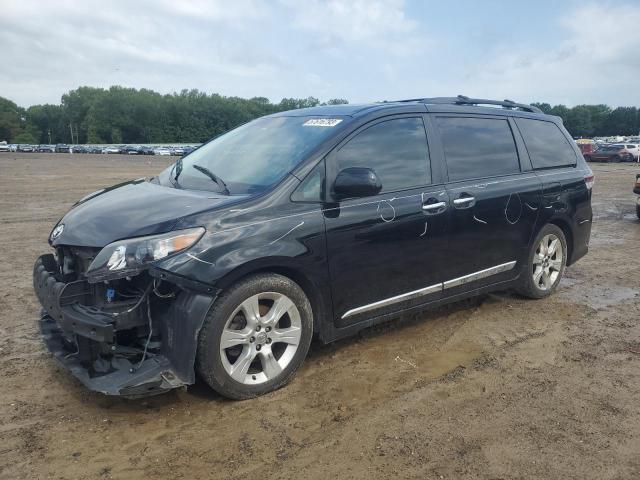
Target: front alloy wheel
(255, 336)
(260, 338)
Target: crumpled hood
(132, 209)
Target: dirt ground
(494, 388)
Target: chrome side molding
(487, 272)
(398, 298)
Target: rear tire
(638, 211)
(587, 158)
(616, 158)
(255, 337)
(545, 264)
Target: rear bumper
(95, 345)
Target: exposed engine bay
(130, 336)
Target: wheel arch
(568, 235)
(319, 297)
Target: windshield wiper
(212, 176)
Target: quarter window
(477, 147)
(311, 189)
(395, 149)
(546, 144)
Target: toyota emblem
(57, 231)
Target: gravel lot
(496, 387)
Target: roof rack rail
(463, 100)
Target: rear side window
(395, 149)
(546, 144)
(477, 147)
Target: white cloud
(49, 48)
(360, 50)
(595, 63)
(214, 10)
(340, 24)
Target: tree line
(588, 121)
(128, 115)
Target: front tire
(255, 337)
(545, 263)
(638, 211)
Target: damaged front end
(121, 326)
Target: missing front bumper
(155, 375)
(88, 340)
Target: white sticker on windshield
(322, 122)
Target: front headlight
(131, 256)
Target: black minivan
(320, 221)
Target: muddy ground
(497, 387)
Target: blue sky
(568, 52)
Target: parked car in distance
(161, 151)
(131, 150)
(46, 148)
(179, 151)
(319, 221)
(146, 150)
(62, 148)
(611, 153)
(24, 148)
(586, 146)
(4, 147)
(78, 149)
(633, 149)
(112, 150)
(187, 150)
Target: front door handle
(464, 202)
(436, 207)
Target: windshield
(254, 156)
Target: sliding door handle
(463, 201)
(434, 207)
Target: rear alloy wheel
(255, 337)
(546, 263)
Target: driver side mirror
(356, 182)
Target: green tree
(25, 137)
(128, 115)
(12, 121)
(47, 123)
(545, 107)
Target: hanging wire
(138, 303)
(146, 345)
